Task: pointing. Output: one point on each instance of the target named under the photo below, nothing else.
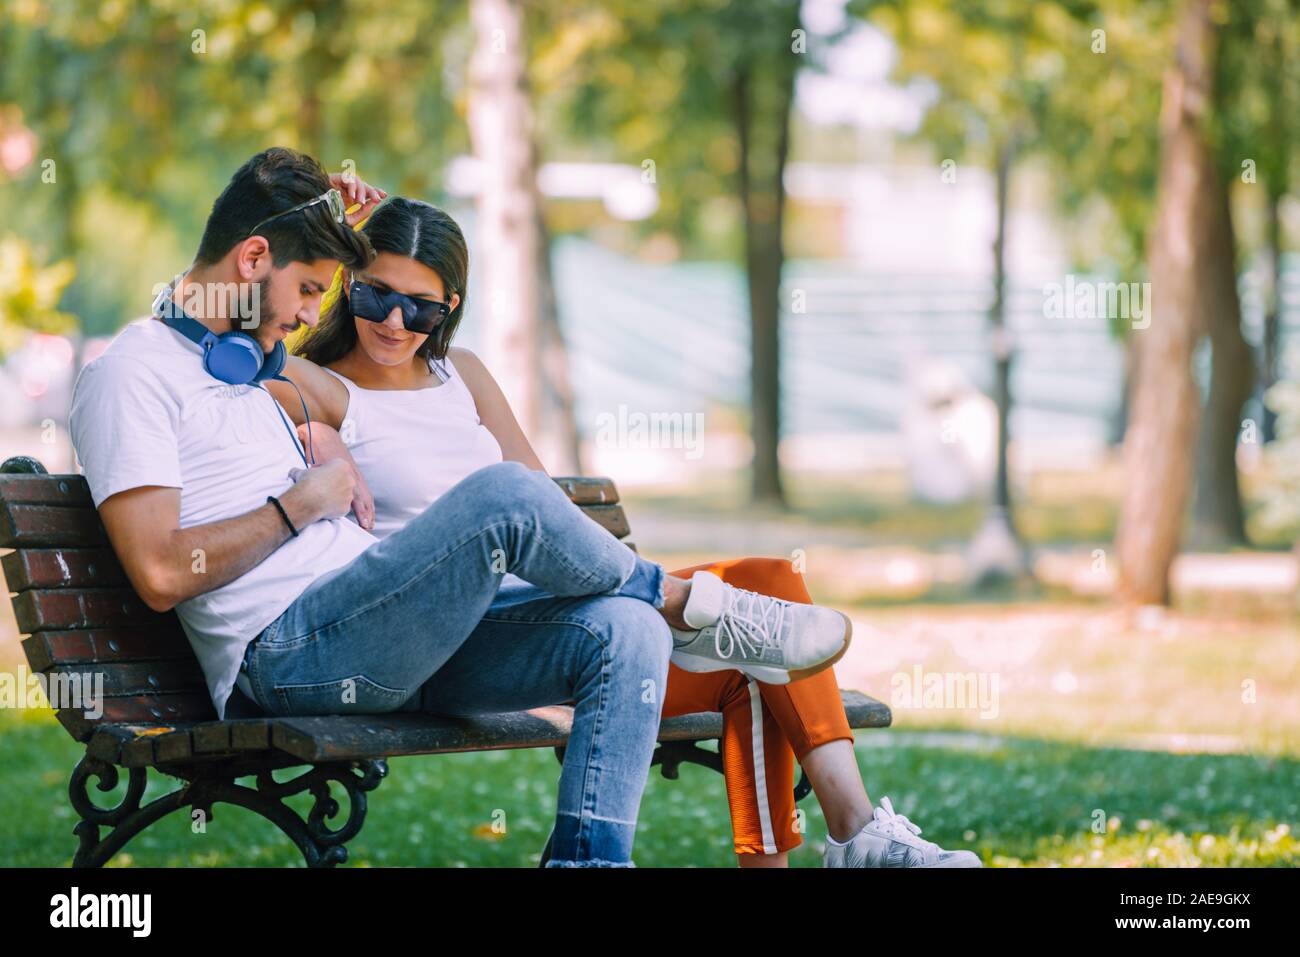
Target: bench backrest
(83, 619)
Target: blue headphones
(234, 357)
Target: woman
(375, 389)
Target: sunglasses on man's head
(375, 303)
(331, 197)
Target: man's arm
(168, 564)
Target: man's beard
(266, 315)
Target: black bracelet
(283, 514)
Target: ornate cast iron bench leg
(203, 786)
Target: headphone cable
(305, 414)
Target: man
(196, 476)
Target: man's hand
(355, 190)
(324, 491)
(327, 446)
(168, 564)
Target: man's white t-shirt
(147, 413)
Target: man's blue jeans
(415, 624)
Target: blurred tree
(94, 73)
(1281, 500)
(1259, 79)
(1102, 154)
(1256, 88)
(698, 93)
(155, 105)
(995, 66)
(1191, 260)
(522, 338)
(501, 130)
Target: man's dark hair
(271, 182)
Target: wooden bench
(84, 623)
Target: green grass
(1016, 801)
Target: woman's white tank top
(412, 445)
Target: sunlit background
(659, 139)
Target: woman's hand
(355, 190)
(327, 445)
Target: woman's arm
(326, 397)
(494, 409)
(326, 445)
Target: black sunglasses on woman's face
(374, 303)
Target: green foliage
(1035, 78)
(660, 82)
(148, 108)
(1258, 79)
(1035, 74)
(29, 294)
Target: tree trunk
(995, 553)
(1271, 352)
(762, 120)
(563, 455)
(1165, 401)
(1219, 520)
(1119, 424)
(501, 130)
(1002, 343)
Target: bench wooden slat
(40, 609)
(609, 517)
(106, 744)
(133, 678)
(174, 745)
(140, 709)
(72, 490)
(250, 734)
(588, 490)
(355, 737)
(135, 745)
(139, 751)
(45, 490)
(212, 737)
(44, 526)
(107, 645)
(62, 568)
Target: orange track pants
(765, 727)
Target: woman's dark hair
(411, 228)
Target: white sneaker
(769, 639)
(890, 840)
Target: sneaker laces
(896, 826)
(750, 622)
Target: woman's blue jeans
(415, 623)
